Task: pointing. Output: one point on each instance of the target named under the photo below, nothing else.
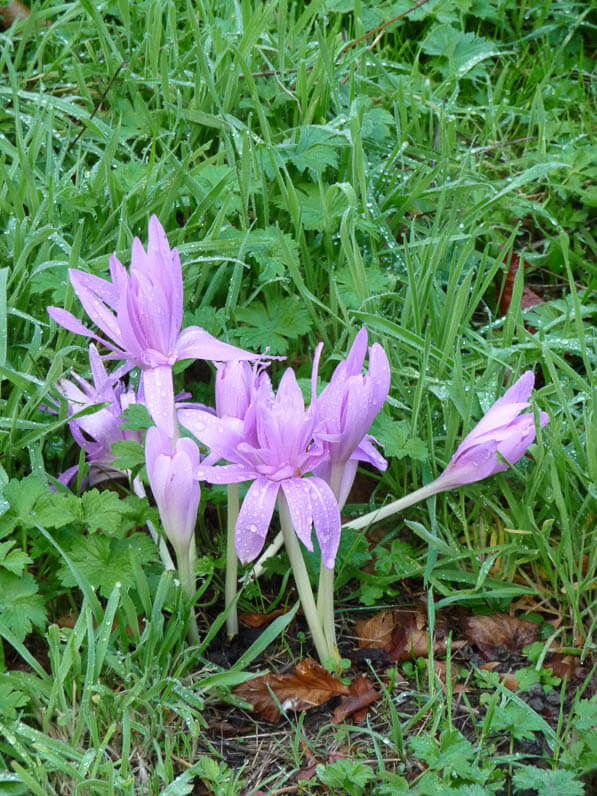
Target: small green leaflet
(286, 320)
(128, 455)
(547, 782)
(21, 606)
(14, 561)
(136, 417)
(464, 51)
(103, 561)
(395, 437)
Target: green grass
(313, 181)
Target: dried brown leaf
(564, 666)
(259, 620)
(375, 633)
(528, 297)
(355, 703)
(490, 666)
(499, 630)
(510, 681)
(407, 643)
(12, 12)
(306, 687)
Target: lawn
(423, 172)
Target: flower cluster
(272, 440)
(302, 459)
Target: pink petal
(221, 435)
(367, 452)
(356, 355)
(496, 417)
(94, 284)
(254, 519)
(297, 495)
(514, 445)
(157, 443)
(196, 343)
(473, 464)
(181, 496)
(118, 274)
(519, 392)
(224, 473)
(131, 334)
(93, 303)
(326, 518)
(165, 269)
(315, 369)
(98, 371)
(68, 321)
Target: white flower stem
(301, 578)
(139, 490)
(325, 592)
(393, 508)
(231, 562)
(186, 572)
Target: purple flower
(500, 439)
(347, 407)
(236, 384)
(96, 433)
(273, 447)
(141, 314)
(171, 472)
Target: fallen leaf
(361, 694)
(306, 687)
(499, 630)
(528, 298)
(441, 670)
(510, 681)
(564, 666)
(12, 12)
(407, 642)
(259, 620)
(403, 634)
(375, 633)
(410, 637)
(343, 753)
(490, 666)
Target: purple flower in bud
(273, 446)
(236, 384)
(499, 439)
(141, 314)
(171, 472)
(346, 409)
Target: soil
(287, 752)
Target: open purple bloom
(141, 314)
(273, 447)
(347, 407)
(500, 439)
(96, 433)
(171, 472)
